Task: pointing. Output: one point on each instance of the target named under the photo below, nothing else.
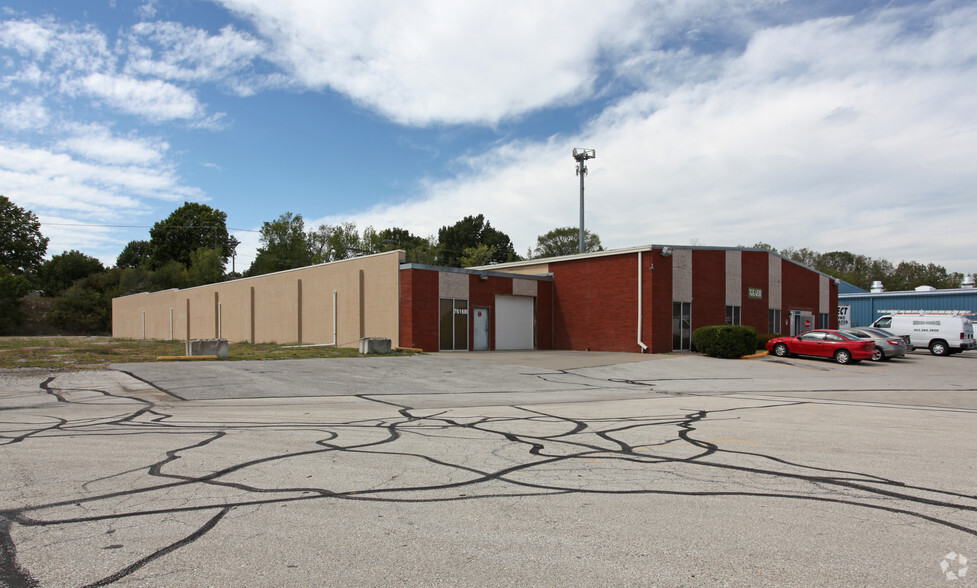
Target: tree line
(192, 247)
(861, 270)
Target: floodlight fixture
(582, 155)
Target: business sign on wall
(754, 293)
(844, 316)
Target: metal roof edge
(651, 247)
(898, 293)
(294, 269)
(547, 277)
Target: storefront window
(453, 324)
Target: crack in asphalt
(578, 439)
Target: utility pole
(582, 155)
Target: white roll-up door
(513, 322)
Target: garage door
(514, 322)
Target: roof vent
(968, 282)
(925, 289)
(877, 287)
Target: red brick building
(642, 299)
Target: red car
(843, 347)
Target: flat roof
(476, 271)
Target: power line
(148, 226)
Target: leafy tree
(473, 231)
(86, 307)
(21, 244)
(909, 275)
(565, 241)
(475, 256)
(862, 270)
(284, 245)
(418, 249)
(12, 288)
(134, 254)
(187, 229)
(205, 267)
(332, 243)
(61, 271)
(136, 279)
(173, 274)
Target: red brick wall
(419, 309)
(595, 303)
(544, 315)
(708, 288)
(659, 312)
(801, 290)
(756, 270)
(482, 293)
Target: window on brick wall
(824, 321)
(733, 315)
(773, 316)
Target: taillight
(896, 342)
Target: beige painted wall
(285, 307)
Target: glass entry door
(453, 324)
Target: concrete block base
(216, 347)
(374, 345)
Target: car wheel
(939, 347)
(879, 355)
(780, 350)
(843, 356)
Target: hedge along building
(638, 299)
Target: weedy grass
(79, 353)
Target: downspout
(641, 344)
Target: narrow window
(733, 315)
(773, 315)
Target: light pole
(582, 155)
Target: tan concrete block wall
(368, 294)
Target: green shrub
(725, 341)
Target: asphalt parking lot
(511, 469)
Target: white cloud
(171, 51)
(26, 115)
(153, 99)
(54, 182)
(829, 134)
(435, 61)
(97, 143)
(26, 37)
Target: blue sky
(833, 125)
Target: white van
(943, 334)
